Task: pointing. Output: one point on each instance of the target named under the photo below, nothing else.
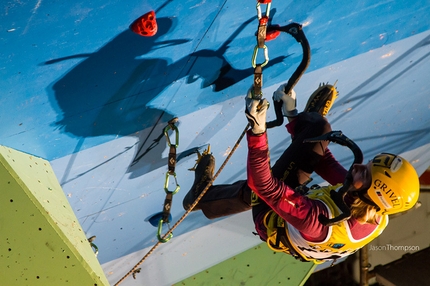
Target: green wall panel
(41, 240)
(257, 266)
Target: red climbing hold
(145, 25)
(272, 34)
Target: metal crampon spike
(200, 156)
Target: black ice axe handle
(295, 30)
(339, 196)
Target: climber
(288, 218)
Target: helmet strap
(361, 195)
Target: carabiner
(269, 4)
(166, 183)
(254, 56)
(175, 129)
(96, 249)
(159, 236)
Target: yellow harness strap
(275, 223)
(272, 222)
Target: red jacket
(298, 210)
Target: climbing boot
(203, 175)
(322, 99)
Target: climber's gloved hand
(255, 111)
(288, 101)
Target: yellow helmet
(395, 184)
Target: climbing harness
(264, 33)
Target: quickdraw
(165, 218)
(261, 44)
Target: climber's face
(361, 176)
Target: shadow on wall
(109, 91)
